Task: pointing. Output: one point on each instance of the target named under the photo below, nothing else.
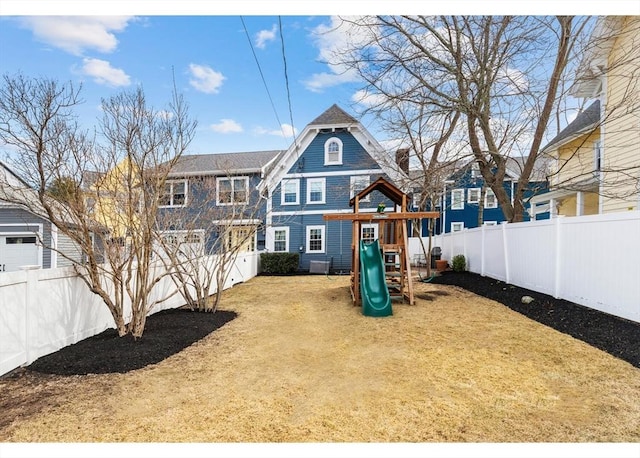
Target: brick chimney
(402, 159)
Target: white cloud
(265, 36)
(331, 39)
(367, 99)
(205, 79)
(75, 34)
(226, 126)
(285, 131)
(103, 73)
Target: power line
(286, 80)
(262, 74)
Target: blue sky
(209, 55)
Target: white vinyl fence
(589, 260)
(42, 311)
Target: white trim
(336, 173)
(54, 246)
(374, 226)
(490, 223)
(477, 200)
(459, 224)
(459, 191)
(308, 230)
(495, 199)
(323, 183)
(326, 151)
(237, 222)
(233, 201)
(39, 237)
(186, 193)
(271, 239)
(282, 191)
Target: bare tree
(500, 74)
(110, 217)
(200, 240)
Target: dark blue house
(465, 196)
(333, 159)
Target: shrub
(279, 263)
(459, 263)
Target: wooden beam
(379, 216)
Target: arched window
(333, 151)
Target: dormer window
(333, 151)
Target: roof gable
(585, 122)
(339, 119)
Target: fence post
(506, 252)
(558, 258)
(482, 251)
(29, 303)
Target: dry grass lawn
(300, 364)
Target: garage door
(16, 251)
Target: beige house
(597, 156)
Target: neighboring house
(27, 237)
(332, 159)
(597, 156)
(465, 195)
(206, 192)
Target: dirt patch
(299, 363)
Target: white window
(333, 151)
(357, 184)
(184, 244)
(175, 194)
(369, 232)
(457, 199)
(290, 192)
(473, 195)
(315, 191)
(457, 227)
(281, 239)
(490, 223)
(597, 156)
(490, 200)
(315, 239)
(415, 201)
(230, 191)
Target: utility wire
(286, 80)
(262, 74)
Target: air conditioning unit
(319, 267)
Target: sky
(210, 53)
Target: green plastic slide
(373, 287)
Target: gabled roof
(585, 122)
(383, 186)
(223, 163)
(333, 115)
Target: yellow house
(597, 156)
(114, 200)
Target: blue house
(464, 190)
(332, 160)
(208, 192)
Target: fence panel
(589, 260)
(42, 311)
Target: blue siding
(355, 159)
(469, 214)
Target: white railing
(589, 260)
(42, 311)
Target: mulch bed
(614, 335)
(165, 333)
(170, 331)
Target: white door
(16, 251)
